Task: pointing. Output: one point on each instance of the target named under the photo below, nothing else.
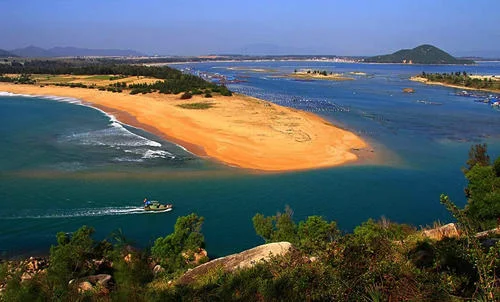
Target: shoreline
(427, 82)
(250, 61)
(239, 131)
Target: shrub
(187, 237)
(186, 95)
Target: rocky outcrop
(408, 90)
(241, 260)
(100, 283)
(446, 231)
(196, 258)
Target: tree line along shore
(461, 80)
(166, 80)
(312, 260)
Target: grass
(100, 77)
(45, 78)
(196, 105)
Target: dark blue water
(63, 165)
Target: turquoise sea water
(63, 165)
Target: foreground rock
(97, 283)
(449, 230)
(241, 260)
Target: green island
(316, 261)
(423, 54)
(318, 75)
(106, 74)
(460, 80)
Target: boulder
(85, 286)
(449, 230)
(26, 276)
(158, 269)
(408, 90)
(241, 260)
(128, 258)
(195, 258)
(101, 279)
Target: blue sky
(364, 27)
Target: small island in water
(308, 74)
(423, 54)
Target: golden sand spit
(239, 130)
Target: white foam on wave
(148, 153)
(85, 212)
(156, 154)
(5, 93)
(128, 160)
(114, 136)
(114, 122)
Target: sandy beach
(238, 131)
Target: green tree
(186, 239)
(264, 226)
(71, 258)
(286, 229)
(486, 261)
(131, 276)
(478, 155)
(315, 234)
(279, 227)
(483, 192)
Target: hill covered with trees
(423, 54)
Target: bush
(186, 238)
(186, 95)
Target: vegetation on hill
(423, 54)
(462, 79)
(170, 80)
(378, 261)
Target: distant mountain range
(423, 54)
(6, 54)
(38, 52)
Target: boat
(156, 206)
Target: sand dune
(239, 131)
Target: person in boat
(147, 203)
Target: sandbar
(238, 131)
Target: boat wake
(83, 212)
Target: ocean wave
(114, 136)
(128, 160)
(113, 121)
(83, 212)
(148, 153)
